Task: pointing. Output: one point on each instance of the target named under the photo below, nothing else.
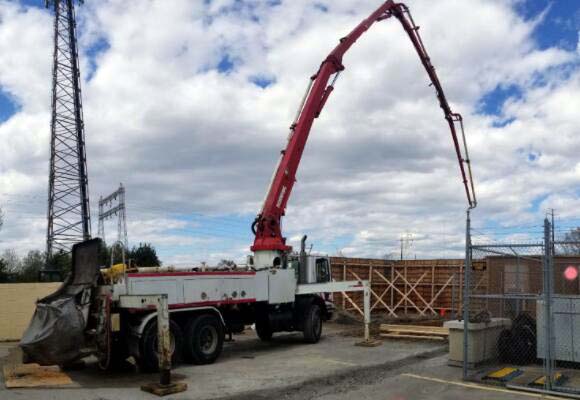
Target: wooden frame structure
(419, 288)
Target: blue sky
(257, 88)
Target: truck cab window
(322, 270)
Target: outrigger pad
(164, 390)
(55, 334)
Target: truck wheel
(118, 356)
(204, 339)
(312, 324)
(149, 360)
(263, 329)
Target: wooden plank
(33, 375)
(438, 293)
(416, 328)
(419, 332)
(392, 291)
(398, 291)
(353, 304)
(412, 289)
(432, 280)
(406, 291)
(415, 337)
(379, 298)
(344, 279)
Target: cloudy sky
(188, 104)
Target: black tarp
(56, 334)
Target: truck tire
(148, 360)
(117, 356)
(312, 324)
(204, 339)
(263, 329)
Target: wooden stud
(379, 298)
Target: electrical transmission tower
(114, 204)
(406, 243)
(69, 219)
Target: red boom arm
(267, 226)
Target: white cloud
(185, 138)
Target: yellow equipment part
(541, 381)
(502, 373)
(113, 273)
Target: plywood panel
(17, 304)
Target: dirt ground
(288, 369)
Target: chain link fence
(522, 301)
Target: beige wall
(17, 306)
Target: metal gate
(522, 304)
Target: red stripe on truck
(209, 273)
(211, 303)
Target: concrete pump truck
(113, 315)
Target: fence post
(548, 276)
(466, 280)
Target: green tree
(31, 266)
(104, 255)
(226, 264)
(144, 255)
(117, 250)
(59, 263)
(5, 275)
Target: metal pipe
(548, 362)
(164, 340)
(367, 309)
(302, 268)
(466, 283)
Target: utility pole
(551, 212)
(69, 219)
(553, 226)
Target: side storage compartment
(281, 286)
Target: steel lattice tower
(107, 209)
(69, 218)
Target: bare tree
(574, 247)
(11, 260)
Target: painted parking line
(482, 387)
